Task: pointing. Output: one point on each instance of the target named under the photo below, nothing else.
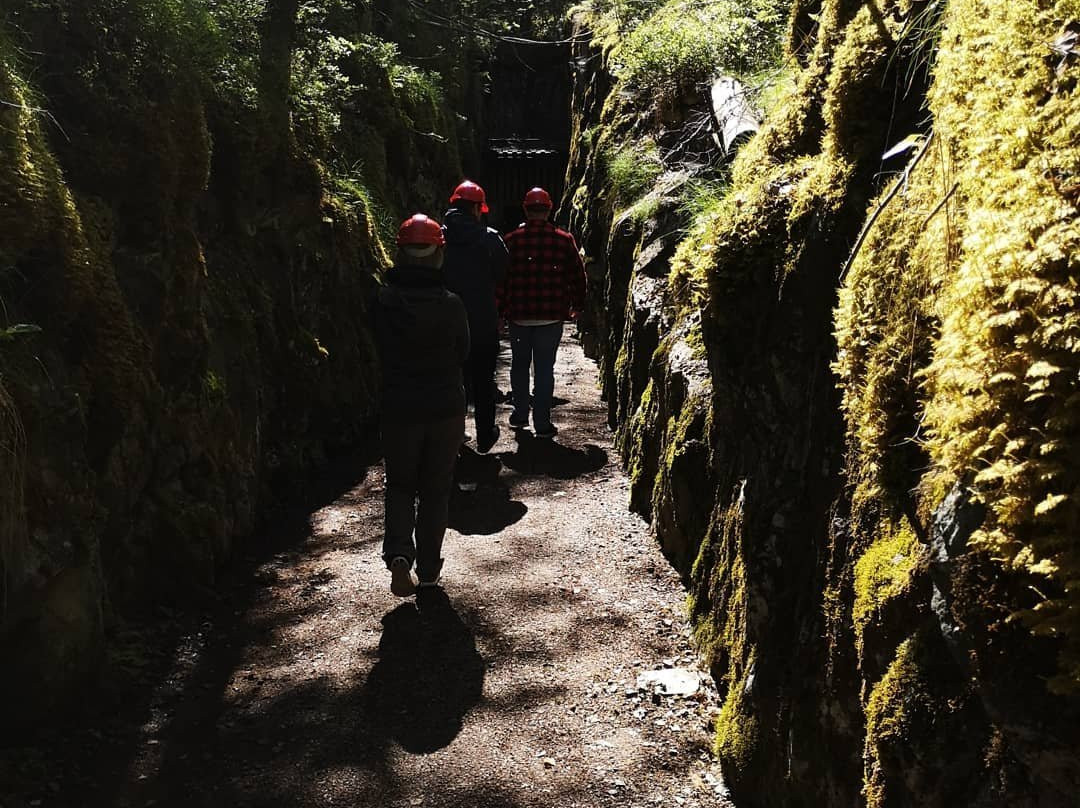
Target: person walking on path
(544, 287)
(476, 260)
(422, 336)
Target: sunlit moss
(883, 572)
(887, 716)
(1004, 386)
(957, 326)
(737, 725)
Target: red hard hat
(538, 198)
(420, 231)
(470, 192)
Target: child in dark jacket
(422, 335)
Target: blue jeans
(536, 346)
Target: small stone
(670, 682)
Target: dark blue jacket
(475, 265)
(422, 335)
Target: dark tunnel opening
(528, 128)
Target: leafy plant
(11, 333)
(632, 170)
(685, 43)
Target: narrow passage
(319, 688)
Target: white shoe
(402, 580)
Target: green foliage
(959, 313)
(11, 333)
(617, 15)
(632, 169)
(703, 197)
(215, 387)
(235, 71)
(539, 19)
(919, 41)
(351, 190)
(138, 42)
(1004, 385)
(685, 43)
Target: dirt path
(313, 686)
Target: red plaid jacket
(546, 277)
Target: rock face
(184, 286)
(768, 395)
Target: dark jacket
(475, 266)
(422, 334)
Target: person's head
(421, 242)
(537, 205)
(470, 197)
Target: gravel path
(309, 684)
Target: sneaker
(402, 581)
(432, 602)
(484, 446)
(519, 421)
(549, 431)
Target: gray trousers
(419, 472)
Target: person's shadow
(550, 458)
(487, 508)
(428, 677)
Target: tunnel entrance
(528, 131)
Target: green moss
(355, 203)
(695, 339)
(957, 325)
(1004, 404)
(883, 572)
(887, 711)
(718, 612)
(645, 208)
(214, 387)
(736, 726)
(634, 450)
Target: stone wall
(186, 261)
(770, 404)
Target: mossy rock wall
(184, 279)
(868, 477)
